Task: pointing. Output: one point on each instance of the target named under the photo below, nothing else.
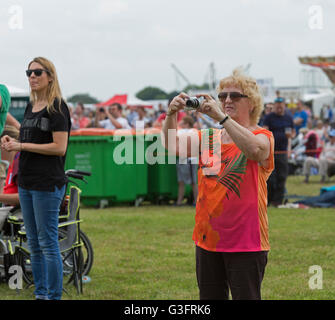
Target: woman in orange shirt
(231, 225)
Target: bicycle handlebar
(77, 174)
(84, 173)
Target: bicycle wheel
(87, 253)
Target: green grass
(147, 252)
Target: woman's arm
(11, 199)
(187, 146)
(55, 148)
(255, 147)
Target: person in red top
(159, 121)
(231, 225)
(79, 119)
(10, 194)
(180, 116)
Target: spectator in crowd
(198, 124)
(71, 115)
(311, 142)
(278, 94)
(91, 117)
(310, 116)
(161, 109)
(205, 122)
(231, 225)
(330, 113)
(100, 114)
(327, 158)
(41, 176)
(268, 108)
(326, 113)
(131, 114)
(327, 128)
(158, 123)
(114, 118)
(187, 168)
(281, 124)
(141, 115)
(291, 106)
(319, 130)
(79, 119)
(300, 117)
(10, 194)
(4, 106)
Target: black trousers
(241, 272)
(277, 180)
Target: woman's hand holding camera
(178, 103)
(210, 107)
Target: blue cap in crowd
(279, 99)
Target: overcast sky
(105, 47)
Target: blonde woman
(231, 226)
(43, 142)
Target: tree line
(147, 93)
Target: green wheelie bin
(110, 156)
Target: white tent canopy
(319, 99)
(17, 92)
(133, 101)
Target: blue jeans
(40, 211)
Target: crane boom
(180, 73)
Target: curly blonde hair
(249, 87)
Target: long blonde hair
(249, 87)
(53, 90)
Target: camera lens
(193, 103)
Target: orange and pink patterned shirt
(231, 209)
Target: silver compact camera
(193, 103)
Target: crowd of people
(292, 123)
(293, 126)
(117, 116)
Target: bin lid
(92, 132)
(116, 132)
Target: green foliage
(151, 93)
(230, 176)
(172, 94)
(154, 93)
(204, 86)
(82, 97)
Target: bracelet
(224, 120)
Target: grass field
(147, 252)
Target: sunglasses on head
(37, 72)
(232, 95)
